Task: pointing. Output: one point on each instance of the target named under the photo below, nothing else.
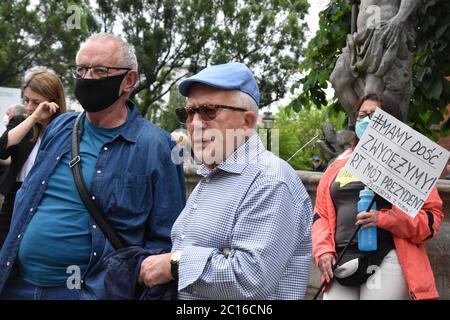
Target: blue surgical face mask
(361, 126)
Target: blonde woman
(43, 99)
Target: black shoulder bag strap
(109, 231)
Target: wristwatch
(174, 263)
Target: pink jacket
(409, 233)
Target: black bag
(353, 269)
(122, 274)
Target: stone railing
(438, 248)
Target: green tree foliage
(174, 38)
(321, 55)
(32, 35)
(297, 128)
(168, 119)
(431, 64)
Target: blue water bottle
(367, 237)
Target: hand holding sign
(396, 162)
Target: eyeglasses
(97, 72)
(207, 112)
(362, 115)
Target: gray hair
(18, 110)
(127, 56)
(248, 103)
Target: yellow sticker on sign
(344, 177)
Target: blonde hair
(45, 82)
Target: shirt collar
(247, 153)
(129, 130)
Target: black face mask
(98, 94)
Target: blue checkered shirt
(245, 230)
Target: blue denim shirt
(136, 184)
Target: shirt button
(57, 158)
(183, 236)
(208, 179)
(31, 210)
(94, 226)
(95, 253)
(99, 171)
(8, 263)
(93, 197)
(82, 281)
(194, 206)
(43, 182)
(105, 148)
(18, 237)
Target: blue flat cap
(228, 76)
(315, 158)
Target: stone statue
(334, 143)
(378, 56)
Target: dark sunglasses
(207, 112)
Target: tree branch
(168, 89)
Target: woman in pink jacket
(402, 268)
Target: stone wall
(438, 248)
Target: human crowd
(94, 204)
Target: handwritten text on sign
(398, 163)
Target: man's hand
(156, 270)
(326, 262)
(367, 219)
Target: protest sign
(397, 162)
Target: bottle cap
(367, 193)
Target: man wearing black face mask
(55, 247)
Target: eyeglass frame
(211, 106)
(365, 115)
(77, 76)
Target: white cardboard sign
(397, 162)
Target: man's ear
(249, 119)
(130, 80)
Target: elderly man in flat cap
(245, 230)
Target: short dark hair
(387, 104)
